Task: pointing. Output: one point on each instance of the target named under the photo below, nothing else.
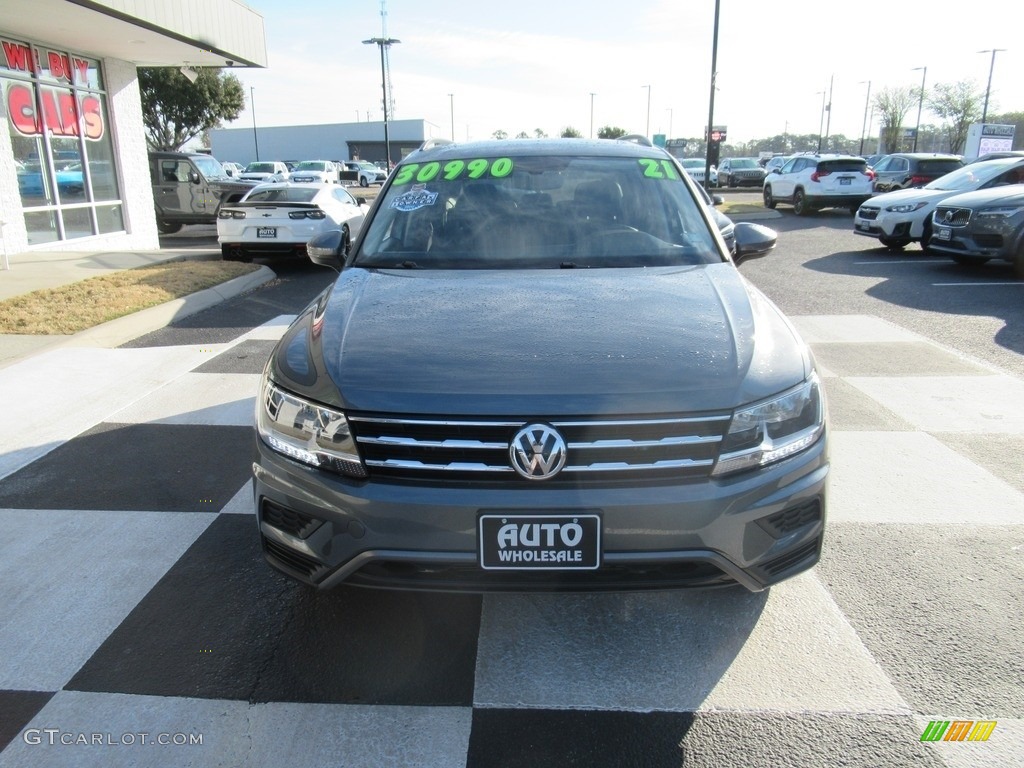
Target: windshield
(744, 162)
(693, 162)
(282, 195)
(973, 176)
(311, 165)
(210, 167)
(538, 213)
(260, 168)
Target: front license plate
(266, 232)
(540, 542)
(862, 227)
(845, 182)
(943, 233)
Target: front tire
(769, 200)
(363, 181)
(167, 227)
(894, 244)
(926, 237)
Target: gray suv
(540, 369)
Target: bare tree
(960, 104)
(499, 134)
(893, 104)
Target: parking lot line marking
(948, 285)
(897, 261)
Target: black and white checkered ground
(135, 606)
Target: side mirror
(753, 241)
(776, 170)
(194, 177)
(326, 250)
(717, 199)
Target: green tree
(539, 133)
(175, 111)
(610, 132)
(522, 135)
(892, 104)
(571, 133)
(960, 105)
(499, 134)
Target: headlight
(773, 430)
(306, 431)
(1002, 212)
(905, 207)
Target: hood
(1010, 194)
(624, 341)
(911, 195)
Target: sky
(641, 65)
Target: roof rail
(636, 138)
(431, 143)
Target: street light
(670, 122)
(863, 125)
(648, 134)
(920, 102)
(993, 51)
(592, 95)
(821, 123)
(451, 102)
(252, 106)
(382, 43)
(711, 98)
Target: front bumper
(889, 225)
(754, 529)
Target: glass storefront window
(63, 151)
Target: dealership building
(74, 173)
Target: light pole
(592, 95)
(669, 122)
(993, 51)
(828, 123)
(252, 106)
(648, 134)
(451, 102)
(382, 43)
(821, 123)
(920, 102)
(711, 98)
(863, 125)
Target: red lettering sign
(18, 56)
(60, 113)
(60, 67)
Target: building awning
(199, 33)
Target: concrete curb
(754, 215)
(113, 333)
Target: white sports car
(279, 219)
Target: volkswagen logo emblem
(537, 452)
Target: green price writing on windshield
(655, 169)
(453, 169)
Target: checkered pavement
(136, 606)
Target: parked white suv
(315, 171)
(812, 182)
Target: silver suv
(812, 182)
(540, 369)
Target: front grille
(867, 212)
(794, 518)
(288, 520)
(597, 450)
(791, 559)
(952, 217)
(290, 560)
(452, 576)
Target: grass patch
(732, 206)
(75, 307)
